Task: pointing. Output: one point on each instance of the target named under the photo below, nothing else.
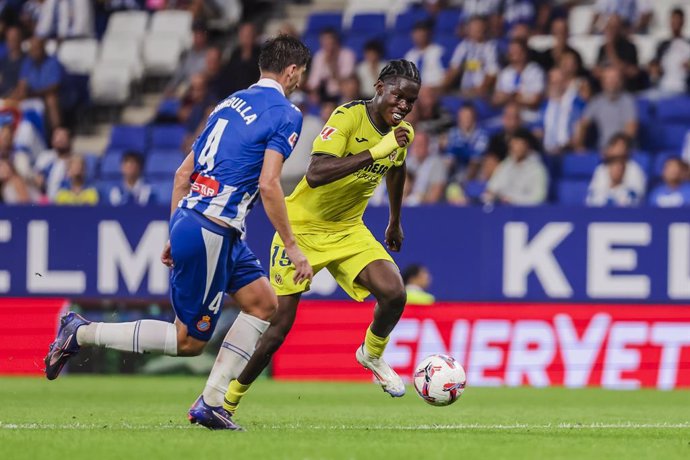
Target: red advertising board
(27, 326)
(612, 346)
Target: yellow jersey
(340, 205)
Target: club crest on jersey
(204, 323)
(327, 132)
(293, 139)
(278, 279)
(205, 186)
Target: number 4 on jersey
(207, 157)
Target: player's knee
(393, 297)
(189, 346)
(263, 310)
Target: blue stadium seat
(356, 43)
(91, 162)
(659, 161)
(676, 109)
(104, 187)
(572, 191)
(162, 190)
(128, 137)
(110, 165)
(167, 136)
(672, 136)
(168, 108)
(159, 166)
(580, 166)
(311, 40)
(451, 104)
(449, 43)
(319, 21)
(407, 19)
(173, 154)
(398, 45)
(644, 110)
(474, 189)
(369, 24)
(643, 159)
(447, 21)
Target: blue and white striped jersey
(229, 153)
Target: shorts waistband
(208, 223)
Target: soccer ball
(439, 380)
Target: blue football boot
(213, 418)
(65, 345)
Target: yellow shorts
(345, 254)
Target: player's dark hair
(281, 52)
(400, 68)
(410, 272)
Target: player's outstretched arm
(274, 203)
(324, 169)
(395, 183)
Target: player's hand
(404, 136)
(394, 237)
(166, 256)
(303, 270)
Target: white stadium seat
(588, 47)
(580, 19)
(131, 24)
(110, 84)
(541, 42)
(79, 55)
(161, 54)
(174, 22)
(646, 48)
(125, 52)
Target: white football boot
(390, 381)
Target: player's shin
(143, 336)
(237, 348)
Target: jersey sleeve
(285, 136)
(333, 138)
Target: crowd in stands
(511, 111)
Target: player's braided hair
(400, 68)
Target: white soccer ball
(439, 380)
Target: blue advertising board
(521, 254)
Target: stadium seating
(588, 47)
(110, 84)
(447, 23)
(541, 42)
(127, 24)
(579, 165)
(110, 165)
(122, 52)
(398, 45)
(368, 24)
(659, 161)
(323, 20)
(572, 192)
(675, 109)
(167, 136)
(580, 19)
(173, 22)
(160, 165)
(646, 48)
(407, 19)
(672, 136)
(161, 54)
(78, 56)
(128, 137)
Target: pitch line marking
(470, 426)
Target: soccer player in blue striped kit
(238, 157)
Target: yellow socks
(232, 397)
(374, 345)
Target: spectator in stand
(21, 161)
(74, 190)
(670, 69)
(417, 280)
(573, 73)
(474, 62)
(11, 63)
(489, 9)
(349, 89)
(51, 165)
(64, 19)
(612, 111)
(637, 14)
(521, 179)
(674, 192)
(465, 143)
(30, 14)
(214, 76)
(242, 70)
(511, 122)
(560, 114)
(330, 63)
(521, 81)
(550, 58)
(428, 169)
(428, 113)
(368, 70)
(40, 77)
(426, 55)
(193, 61)
(133, 189)
(618, 181)
(13, 188)
(620, 52)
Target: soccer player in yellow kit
(362, 142)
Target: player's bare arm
(273, 199)
(181, 187)
(395, 182)
(324, 169)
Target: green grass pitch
(145, 418)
